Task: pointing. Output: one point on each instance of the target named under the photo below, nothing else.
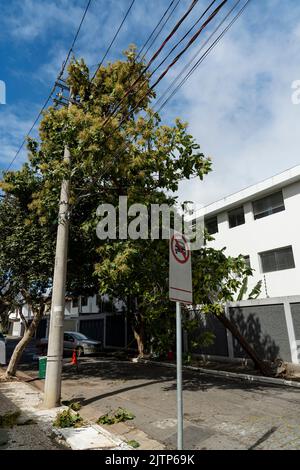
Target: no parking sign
(180, 270)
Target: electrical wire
(155, 55)
(114, 38)
(184, 37)
(191, 41)
(206, 53)
(160, 30)
(186, 66)
(211, 47)
(53, 87)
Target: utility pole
(55, 343)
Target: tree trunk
(259, 364)
(18, 351)
(138, 335)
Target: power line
(160, 30)
(154, 56)
(114, 38)
(186, 66)
(183, 37)
(191, 41)
(154, 39)
(30, 130)
(210, 48)
(74, 40)
(53, 88)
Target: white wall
(274, 231)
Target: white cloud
(238, 103)
(13, 127)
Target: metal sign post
(179, 377)
(180, 291)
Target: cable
(146, 42)
(112, 162)
(114, 38)
(32, 127)
(210, 18)
(191, 41)
(155, 55)
(53, 88)
(211, 47)
(183, 38)
(74, 40)
(157, 26)
(183, 70)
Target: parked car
(74, 340)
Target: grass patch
(118, 416)
(8, 420)
(68, 419)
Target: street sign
(180, 290)
(180, 270)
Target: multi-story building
(98, 317)
(262, 222)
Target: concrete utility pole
(55, 343)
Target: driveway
(218, 413)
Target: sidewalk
(20, 429)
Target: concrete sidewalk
(28, 426)
(23, 428)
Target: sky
(237, 103)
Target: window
(236, 217)
(247, 260)
(268, 205)
(84, 301)
(211, 225)
(75, 302)
(277, 260)
(68, 338)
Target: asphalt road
(218, 413)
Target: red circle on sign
(184, 251)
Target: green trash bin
(42, 367)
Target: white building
(262, 222)
(99, 317)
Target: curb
(230, 375)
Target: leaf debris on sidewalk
(118, 416)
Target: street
(218, 414)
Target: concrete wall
(271, 326)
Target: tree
(26, 252)
(217, 279)
(139, 158)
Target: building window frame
(278, 265)
(236, 217)
(213, 219)
(272, 207)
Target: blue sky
(238, 102)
